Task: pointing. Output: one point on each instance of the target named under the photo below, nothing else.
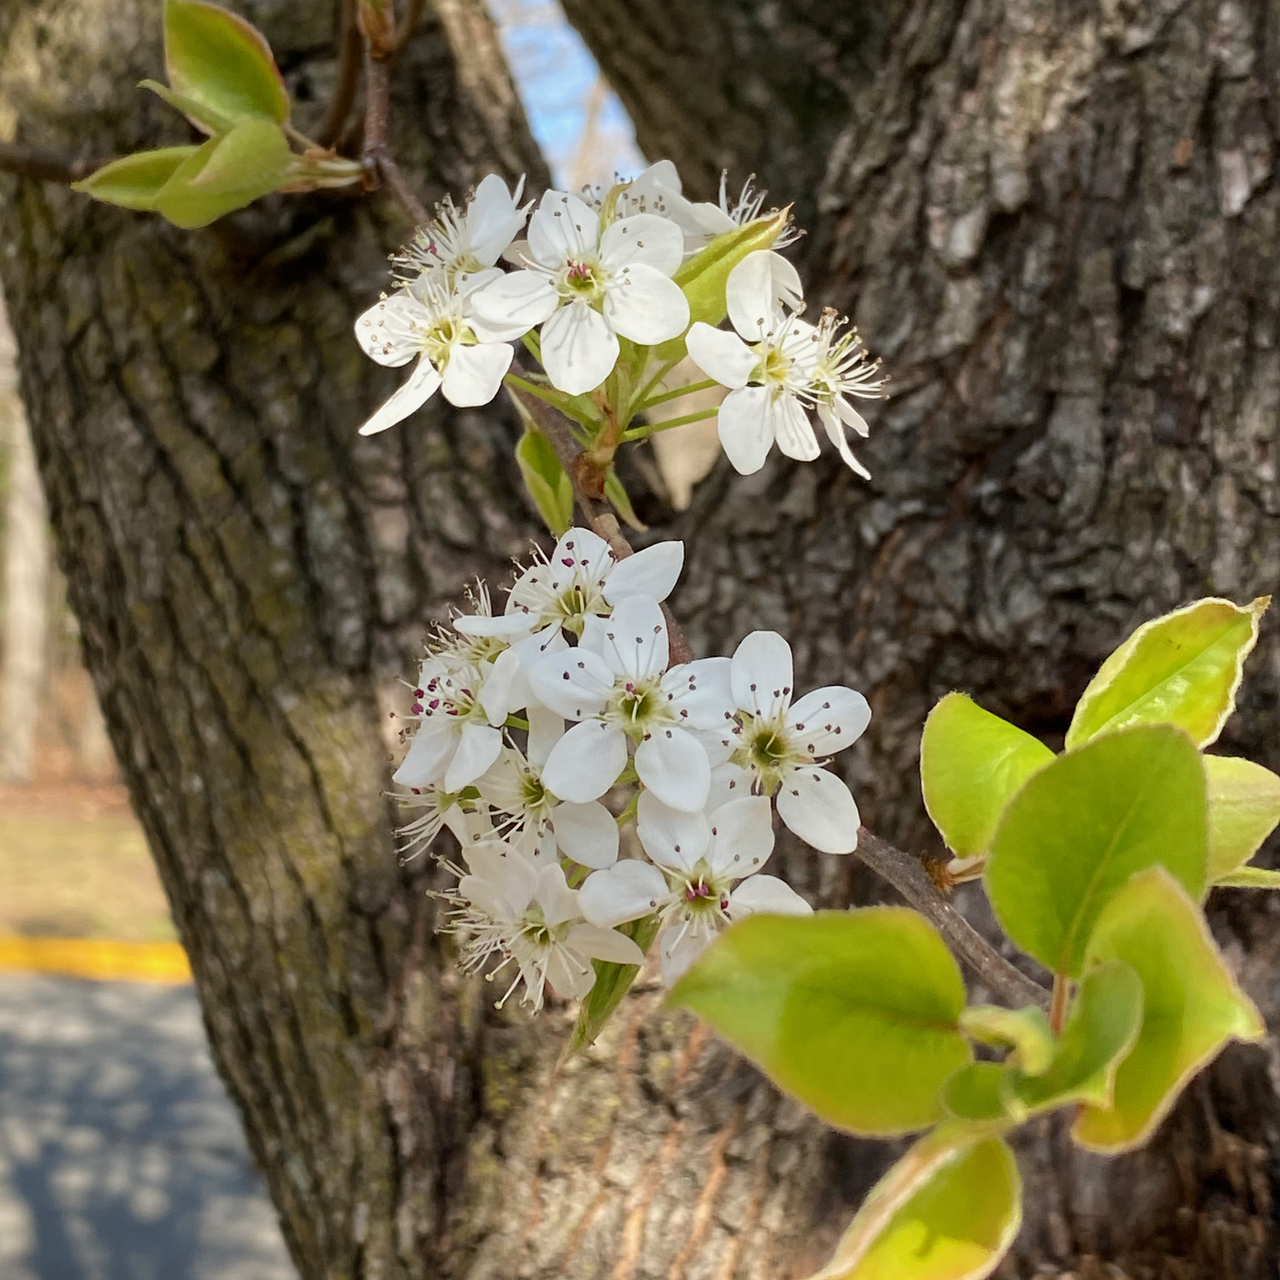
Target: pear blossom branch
(906, 874)
(350, 47)
(45, 166)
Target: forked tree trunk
(1057, 223)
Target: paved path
(121, 1157)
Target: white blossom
(705, 877)
(439, 810)
(457, 354)
(527, 915)
(617, 686)
(780, 746)
(538, 821)
(459, 243)
(586, 288)
(779, 366)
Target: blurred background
(120, 1156)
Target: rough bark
(1058, 224)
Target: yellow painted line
(99, 959)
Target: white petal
(745, 427)
(604, 944)
(390, 331)
(644, 305)
(761, 674)
(586, 833)
(851, 417)
(756, 287)
(478, 748)
(836, 434)
(575, 684)
(625, 891)
(829, 719)
(523, 298)
(670, 837)
(792, 430)
(492, 220)
(563, 228)
(579, 349)
(818, 807)
(677, 953)
(429, 754)
(720, 355)
(728, 782)
(674, 766)
(504, 626)
(569, 974)
(473, 375)
(558, 902)
(421, 386)
(546, 728)
(701, 694)
(582, 552)
(651, 572)
(586, 762)
(499, 680)
(741, 836)
(766, 895)
(642, 238)
(633, 640)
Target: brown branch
(350, 47)
(30, 162)
(379, 55)
(413, 11)
(908, 876)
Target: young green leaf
(545, 479)
(704, 276)
(1100, 1031)
(1244, 807)
(613, 981)
(221, 63)
(205, 118)
(1250, 878)
(1182, 669)
(855, 1013)
(982, 1092)
(226, 173)
(1191, 1006)
(133, 182)
(1025, 1030)
(620, 500)
(948, 1210)
(1082, 826)
(971, 764)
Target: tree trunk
(1056, 223)
(26, 583)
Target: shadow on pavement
(121, 1157)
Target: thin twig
(350, 47)
(906, 874)
(412, 12)
(377, 117)
(31, 162)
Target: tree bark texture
(1058, 223)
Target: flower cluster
(528, 721)
(597, 286)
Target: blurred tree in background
(1057, 222)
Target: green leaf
(221, 63)
(133, 182)
(621, 501)
(982, 1092)
(1182, 669)
(855, 1013)
(1101, 1030)
(948, 1210)
(1244, 807)
(613, 981)
(704, 276)
(203, 117)
(1250, 878)
(1025, 1030)
(1082, 826)
(971, 764)
(1191, 1006)
(545, 479)
(226, 173)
